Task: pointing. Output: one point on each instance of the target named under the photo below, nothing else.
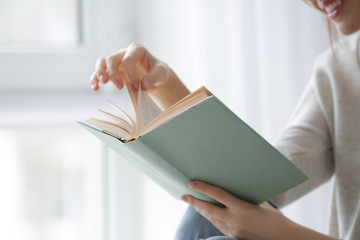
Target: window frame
(29, 67)
(41, 83)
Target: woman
(322, 137)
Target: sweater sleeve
(306, 141)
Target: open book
(148, 115)
(198, 138)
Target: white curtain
(255, 55)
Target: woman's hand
(136, 68)
(243, 220)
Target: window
(52, 171)
(47, 45)
(51, 22)
(48, 181)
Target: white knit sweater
(323, 137)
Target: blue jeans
(193, 226)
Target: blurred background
(59, 182)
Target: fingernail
(184, 198)
(136, 85)
(147, 84)
(193, 185)
(102, 78)
(118, 84)
(93, 86)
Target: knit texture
(323, 136)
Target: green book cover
(208, 142)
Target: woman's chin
(348, 29)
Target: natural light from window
(47, 182)
(54, 22)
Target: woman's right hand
(135, 67)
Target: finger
(214, 215)
(100, 70)
(134, 54)
(210, 211)
(94, 82)
(220, 217)
(156, 75)
(113, 64)
(217, 193)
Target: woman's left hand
(238, 218)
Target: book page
(148, 113)
(147, 110)
(110, 127)
(119, 121)
(184, 104)
(132, 121)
